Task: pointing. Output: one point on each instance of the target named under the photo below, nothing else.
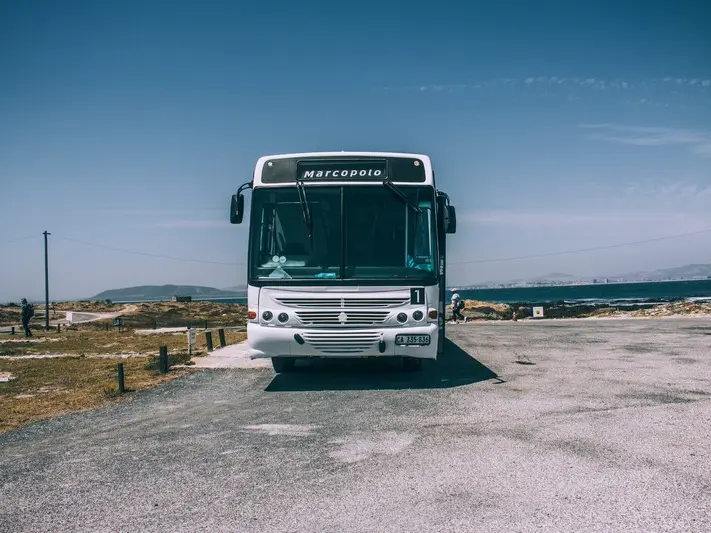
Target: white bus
(346, 257)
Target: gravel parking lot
(587, 425)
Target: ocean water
(617, 293)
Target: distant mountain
(164, 292)
(675, 273)
(632, 276)
(557, 276)
(689, 271)
(686, 272)
(236, 288)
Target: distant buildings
(573, 282)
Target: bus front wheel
(283, 364)
(411, 364)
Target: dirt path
(82, 317)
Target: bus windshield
(364, 232)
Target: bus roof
(342, 153)
(350, 166)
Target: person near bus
(27, 313)
(457, 306)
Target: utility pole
(46, 283)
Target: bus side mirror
(451, 219)
(236, 208)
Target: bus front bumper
(275, 341)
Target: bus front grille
(346, 302)
(342, 342)
(342, 318)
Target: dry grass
(144, 315)
(171, 314)
(45, 388)
(9, 316)
(81, 374)
(49, 386)
(674, 309)
(604, 312)
(474, 305)
(98, 306)
(90, 342)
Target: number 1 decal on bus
(417, 296)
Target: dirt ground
(58, 373)
(143, 315)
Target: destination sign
(344, 169)
(338, 170)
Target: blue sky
(554, 126)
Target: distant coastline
(620, 294)
(599, 293)
(224, 300)
(533, 285)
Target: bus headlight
(283, 317)
(418, 315)
(402, 318)
(267, 316)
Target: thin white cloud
(588, 82)
(689, 82)
(598, 221)
(689, 93)
(704, 150)
(195, 224)
(121, 212)
(533, 218)
(442, 88)
(685, 200)
(698, 141)
(137, 212)
(678, 194)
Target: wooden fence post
(163, 360)
(121, 388)
(221, 334)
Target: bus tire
(283, 364)
(411, 364)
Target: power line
(46, 282)
(581, 250)
(18, 239)
(135, 252)
(477, 261)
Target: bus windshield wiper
(397, 192)
(305, 208)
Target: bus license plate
(412, 340)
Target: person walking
(28, 311)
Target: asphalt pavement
(553, 426)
